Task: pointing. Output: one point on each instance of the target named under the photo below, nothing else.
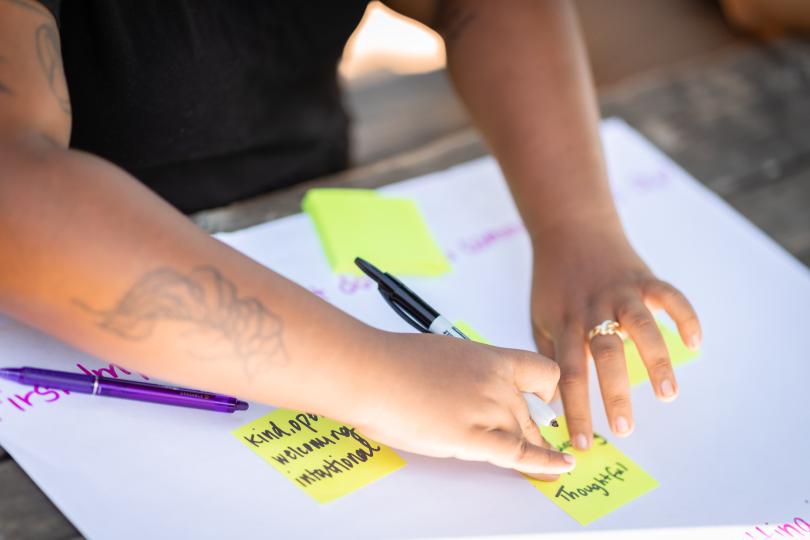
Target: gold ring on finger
(607, 327)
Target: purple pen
(119, 388)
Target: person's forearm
(521, 69)
(93, 257)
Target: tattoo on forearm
(220, 323)
(50, 60)
(454, 18)
(30, 5)
(4, 89)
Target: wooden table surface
(738, 121)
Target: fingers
(637, 320)
(608, 355)
(535, 373)
(543, 340)
(514, 451)
(679, 309)
(574, 387)
(530, 431)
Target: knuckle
(643, 321)
(576, 420)
(527, 425)
(521, 451)
(691, 321)
(609, 351)
(660, 364)
(638, 318)
(671, 295)
(572, 323)
(617, 401)
(507, 370)
(572, 376)
(553, 370)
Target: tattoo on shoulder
(219, 323)
(4, 89)
(454, 20)
(49, 55)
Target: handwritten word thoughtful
(600, 481)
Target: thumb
(514, 451)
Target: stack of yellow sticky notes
(388, 232)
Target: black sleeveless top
(208, 101)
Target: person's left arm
(521, 69)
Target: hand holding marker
(424, 318)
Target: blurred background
(401, 99)
(722, 86)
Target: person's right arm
(91, 256)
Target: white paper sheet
(731, 452)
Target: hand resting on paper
(539, 118)
(583, 276)
(445, 397)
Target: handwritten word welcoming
(325, 458)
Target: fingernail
(622, 425)
(581, 442)
(667, 389)
(568, 458)
(694, 342)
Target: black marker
(407, 304)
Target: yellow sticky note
(604, 479)
(678, 354)
(323, 457)
(388, 232)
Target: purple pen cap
(242, 406)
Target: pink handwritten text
(798, 528)
(23, 402)
(488, 238)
